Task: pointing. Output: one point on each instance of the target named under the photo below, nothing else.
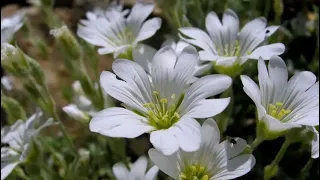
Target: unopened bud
(67, 43)
(13, 60)
(74, 112)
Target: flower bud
(67, 43)
(74, 112)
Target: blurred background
(299, 20)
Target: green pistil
(194, 173)
(277, 111)
(160, 114)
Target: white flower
(214, 160)
(116, 34)
(82, 107)
(137, 171)
(143, 55)
(18, 138)
(283, 104)
(10, 25)
(226, 46)
(166, 106)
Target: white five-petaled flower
(18, 138)
(214, 160)
(165, 106)
(143, 55)
(116, 34)
(137, 171)
(226, 46)
(10, 25)
(283, 104)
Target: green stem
(176, 17)
(63, 130)
(271, 170)
(256, 143)
(53, 152)
(267, 9)
(304, 172)
(224, 117)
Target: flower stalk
(271, 170)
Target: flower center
(229, 49)
(161, 113)
(277, 111)
(194, 173)
(125, 36)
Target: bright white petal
(204, 87)
(139, 13)
(251, 88)
(234, 147)
(208, 107)
(163, 71)
(164, 141)
(139, 168)
(152, 173)
(198, 38)
(185, 66)
(167, 164)
(148, 29)
(230, 21)
(119, 122)
(143, 55)
(188, 135)
(207, 56)
(135, 76)
(121, 91)
(237, 167)
(215, 29)
(120, 171)
(210, 133)
(267, 51)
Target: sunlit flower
(165, 106)
(10, 25)
(143, 55)
(18, 139)
(283, 104)
(226, 46)
(82, 108)
(116, 34)
(214, 160)
(137, 171)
